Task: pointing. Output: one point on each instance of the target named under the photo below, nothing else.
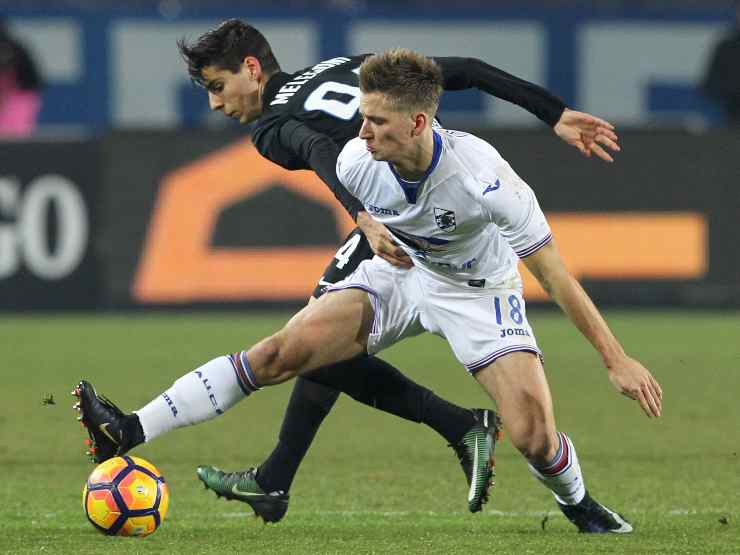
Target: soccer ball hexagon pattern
(126, 496)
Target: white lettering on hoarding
(27, 240)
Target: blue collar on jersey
(411, 188)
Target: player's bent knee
(273, 361)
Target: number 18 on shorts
(494, 324)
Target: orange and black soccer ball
(126, 496)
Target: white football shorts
(480, 323)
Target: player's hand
(382, 243)
(589, 134)
(636, 382)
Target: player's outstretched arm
(468, 73)
(589, 134)
(627, 375)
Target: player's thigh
(518, 384)
(333, 328)
(348, 257)
(394, 298)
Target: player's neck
(262, 86)
(412, 166)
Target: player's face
(388, 134)
(237, 95)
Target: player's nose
(214, 102)
(365, 130)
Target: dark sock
(368, 380)
(376, 383)
(309, 404)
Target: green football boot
(476, 455)
(243, 486)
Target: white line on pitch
(493, 513)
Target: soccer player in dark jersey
(302, 121)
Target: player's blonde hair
(410, 81)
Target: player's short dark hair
(225, 47)
(410, 80)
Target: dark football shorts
(354, 250)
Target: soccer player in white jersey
(466, 218)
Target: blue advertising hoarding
(120, 68)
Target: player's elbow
(547, 267)
(558, 285)
(546, 283)
(542, 273)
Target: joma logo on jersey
(383, 211)
(513, 331)
(445, 219)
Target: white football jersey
(469, 218)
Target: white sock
(200, 395)
(562, 475)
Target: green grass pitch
(372, 483)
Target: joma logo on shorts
(383, 211)
(513, 331)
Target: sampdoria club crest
(445, 219)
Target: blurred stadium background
(129, 194)
(129, 197)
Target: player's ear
(420, 123)
(253, 66)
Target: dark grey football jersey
(324, 97)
